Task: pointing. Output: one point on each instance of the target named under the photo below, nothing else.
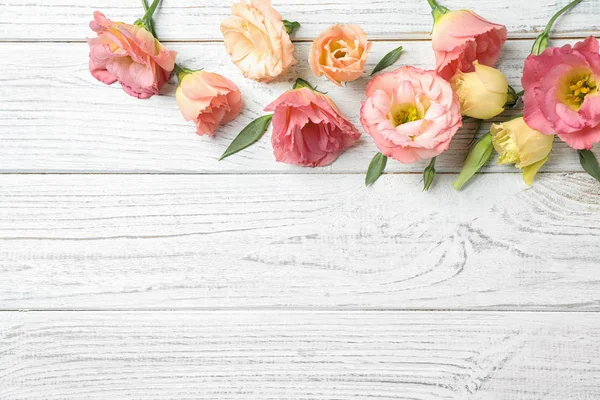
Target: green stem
(150, 11)
(558, 14)
(149, 23)
(436, 10)
(433, 4)
(180, 72)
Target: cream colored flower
(518, 144)
(257, 41)
(482, 93)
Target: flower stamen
(400, 114)
(579, 89)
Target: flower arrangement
(410, 113)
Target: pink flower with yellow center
(411, 114)
(561, 93)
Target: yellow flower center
(578, 87)
(403, 113)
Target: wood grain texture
(200, 19)
(299, 355)
(107, 242)
(56, 117)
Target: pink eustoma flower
(561, 93)
(129, 54)
(208, 99)
(308, 129)
(411, 114)
(460, 38)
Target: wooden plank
(299, 355)
(54, 117)
(204, 242)
(68, 20)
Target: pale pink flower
(561, 93)
(461, 37)
(129, 54)
(208, 99)
(411, 114)
(340, 53)
(308, 129)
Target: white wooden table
(134, 265)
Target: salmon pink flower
(308, 128)
(411, 114)
(208, 99)
(561, 93)
(129, 54)
(340, 53)
(460, 38)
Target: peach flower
(461, 37)
(129, 54)
(208, 99)
(411, 114)
(340, 53)
(257, 41)
(562, 93)
(308, 129)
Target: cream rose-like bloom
(340, 53)
(521, 145)
(483, 93)
(257, 41)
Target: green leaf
(248, 136)
(589, 163)
(291, 26)
(429, 175)
(478, 156)
(388, 60)
(376, 168)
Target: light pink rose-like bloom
(411, 114)
(257, 41)
(308, 129)
(208, 99)
(340, 53)
(561, 93)
(129, 54)
(461, 37)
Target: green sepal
(429, 175)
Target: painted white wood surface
(248, 279)
(197, 242)
(299, 355)
(60, 119)
(194, 20)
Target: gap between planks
(409, 38)
(293, 309)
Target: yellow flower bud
(482, 93)
(518, 144)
